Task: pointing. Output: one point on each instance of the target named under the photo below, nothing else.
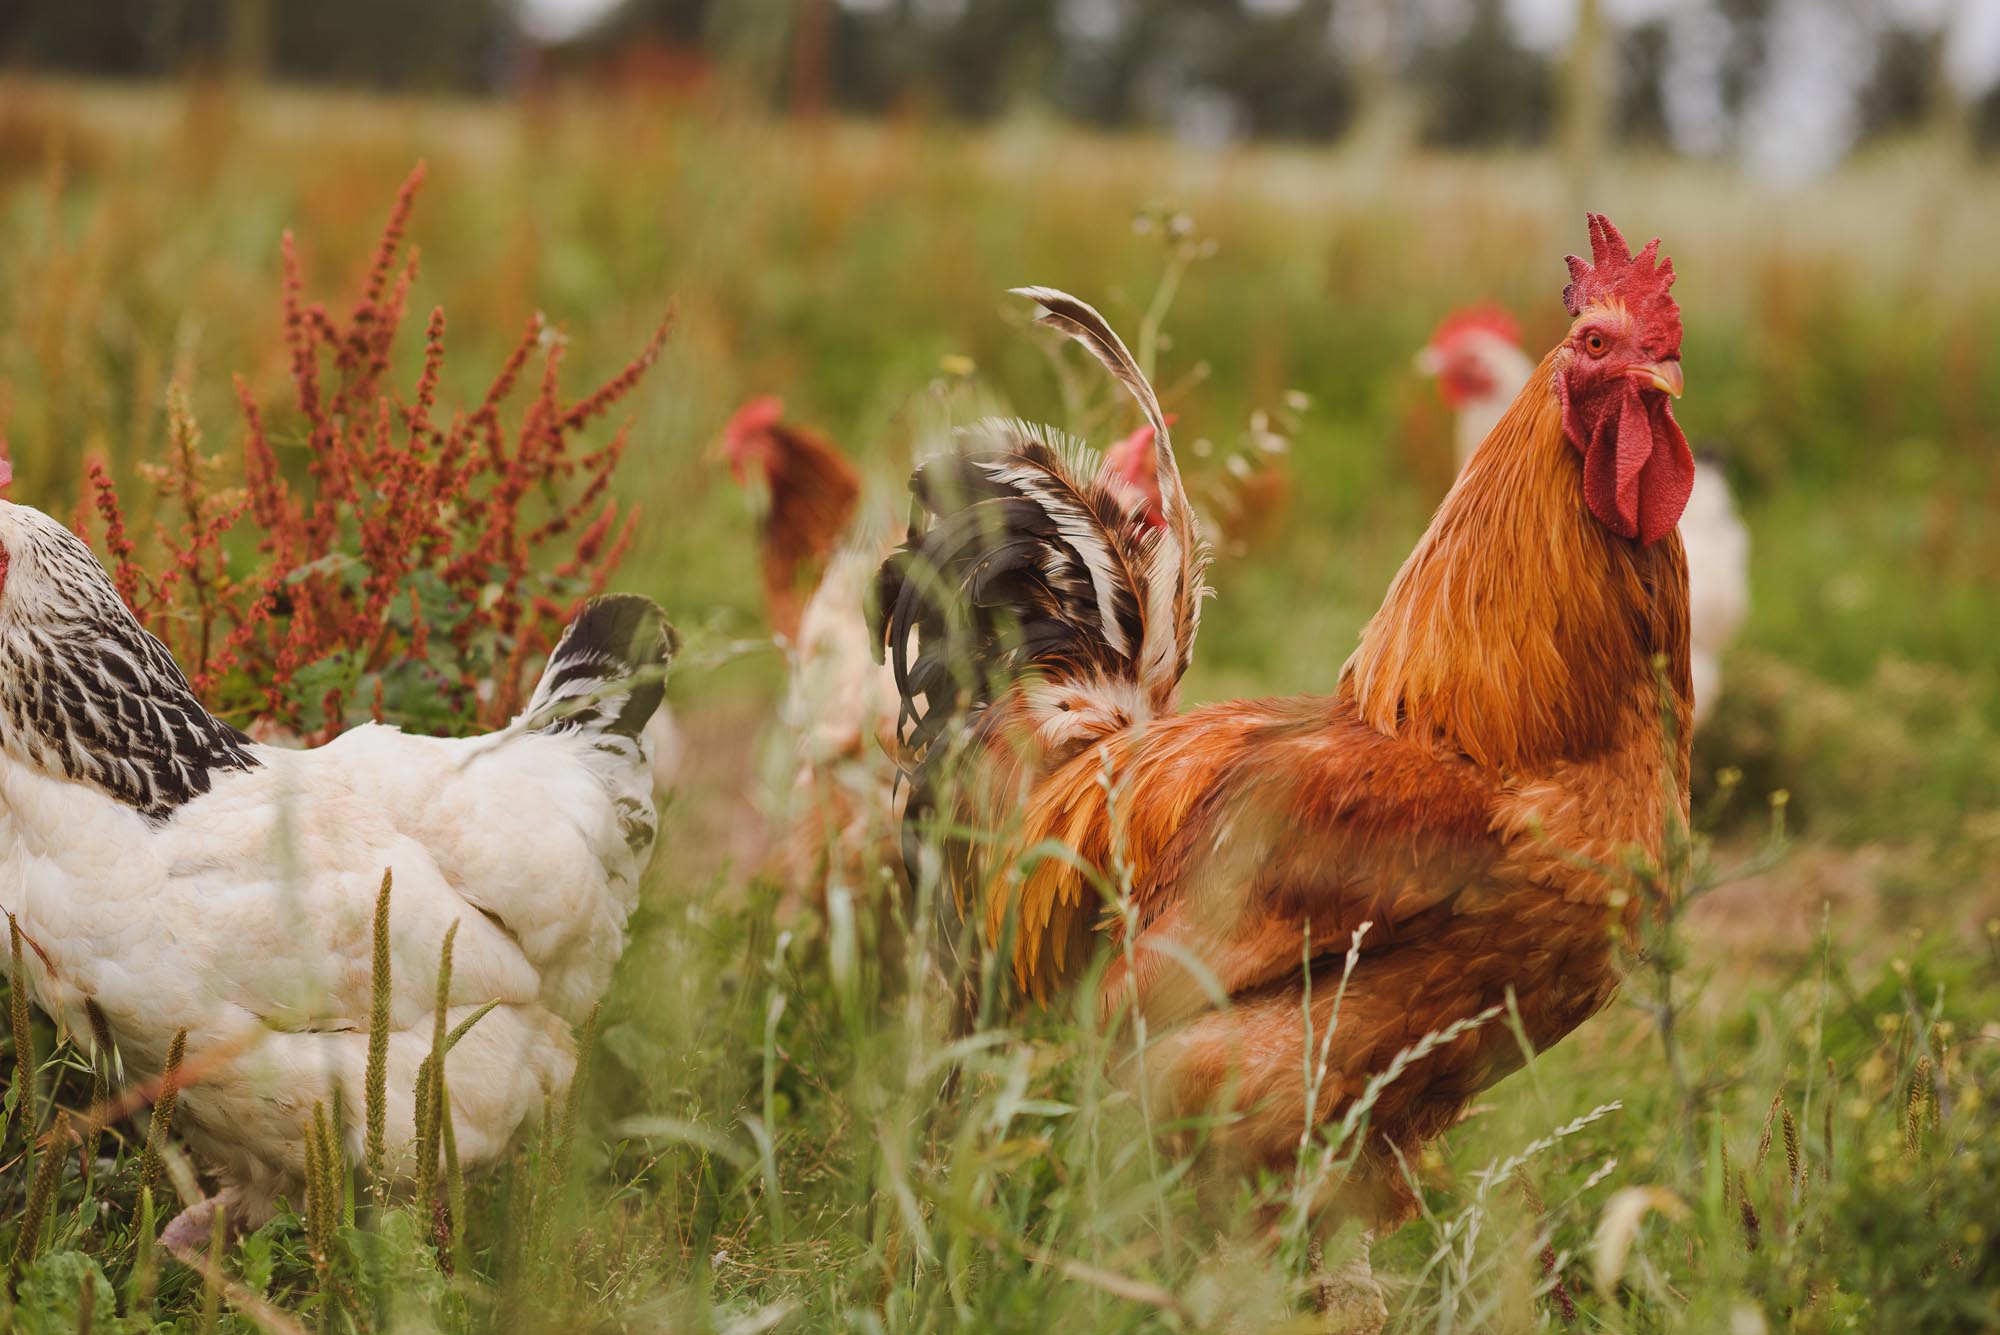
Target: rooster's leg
(1347, 1298)
(187, 1234)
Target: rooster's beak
(1664, 376)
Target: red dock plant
(405, 564)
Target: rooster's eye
(1594, 343)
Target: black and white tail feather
(608, 673)
(1029, 579)
(605, 680)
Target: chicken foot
(187, 1234)
(1347, 1297)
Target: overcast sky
(1806, 111)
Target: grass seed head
(376, 1091)
(161, 1124)
(47, 1170)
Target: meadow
(1788, 1121)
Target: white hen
(178, 875)
(840, 709)
(1477, 358)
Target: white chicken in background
(838, 700)
(1479, 365)
(840, 709)
(179, 875)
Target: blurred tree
(1208, 69)
(811, 56)
(681, 22)
(1481, 87)
(247, 39)
(975, 56)
(1910, 90)
(119, 37)
(1900, 94)
(392, 43)
(1586, 107)
(1983, 121)
(382, 43)
(1748, 49)
(1273, 72)
(1287, 72)
(1372, 33)
(1641, 115)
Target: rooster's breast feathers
(1237, 821)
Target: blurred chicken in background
(1242, 505)
(811, 492)
(1477, 360)
(840, 705)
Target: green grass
(769, 1139)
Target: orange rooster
(811, 491)
(1497, 734)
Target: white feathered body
(243, 913)
(839, 702)
(1718, 557)
(1507, 368)
(840, 709)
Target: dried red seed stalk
(401, 510)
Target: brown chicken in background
(1499, 730)
(840, 705)
(812, 493)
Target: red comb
(1639, 281)
(1485, 318)
(759, 414)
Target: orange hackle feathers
(1504, 629)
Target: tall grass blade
(454, 1191)
(558, 1165)
(161, 1124)
(25, 1071)
(323, 1189)
(211, 1275)
(41, 1193)
(430, 1079)
(100, 1088)
(376, 1081)
(145, 1269)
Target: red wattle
(1637, 469)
